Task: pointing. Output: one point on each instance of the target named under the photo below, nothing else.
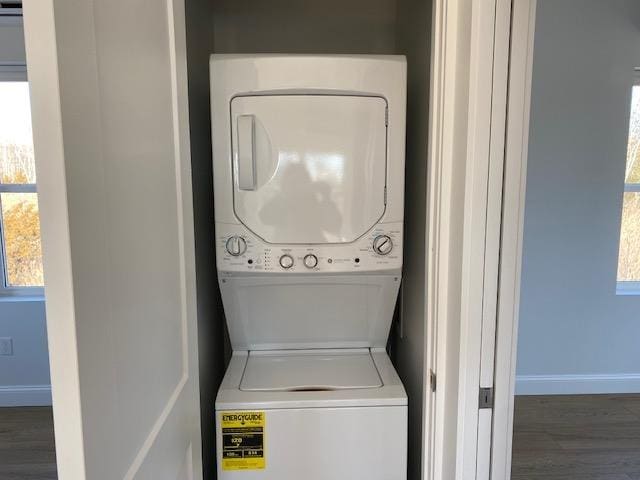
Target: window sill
(22, 295)
(628, 288)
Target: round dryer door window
(309, 169)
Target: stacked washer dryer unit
(308, 155)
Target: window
(20, 247)
(629, 253)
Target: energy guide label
(242, 440)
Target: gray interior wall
(291, 26)
(199, 18)
(24, 376)
(11, 40)
(413, 40)
(571, 321)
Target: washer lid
(300, 370)
(309, 169)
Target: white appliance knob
(382, 244)
(286, 261)
(236, 246)
(310, 261)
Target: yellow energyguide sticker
(243, 440)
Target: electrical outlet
(6, 346)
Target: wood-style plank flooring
(27, 450)
(576, 437)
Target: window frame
(629, 287)
(14, 72)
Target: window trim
(629, 287)
(14, 72)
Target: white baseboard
(577, 384)
(25, 395)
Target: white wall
(24, 376)
(576, 335)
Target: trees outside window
(629, 254)
(20, 252)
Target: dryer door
(309, 169)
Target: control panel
(238, 250)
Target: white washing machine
(308, 155)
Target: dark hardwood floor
(27, 450)
(572, 437)
(577, 437)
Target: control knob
(286, 261)
(236, 245)
(382, 244)
(310, 261)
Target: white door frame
(461, 75)
(470, 60)
(478, 247)
(486, 116)
(491, 55)
(515, 169)
(489, 334)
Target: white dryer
(308, 155)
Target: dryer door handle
(246, 153)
